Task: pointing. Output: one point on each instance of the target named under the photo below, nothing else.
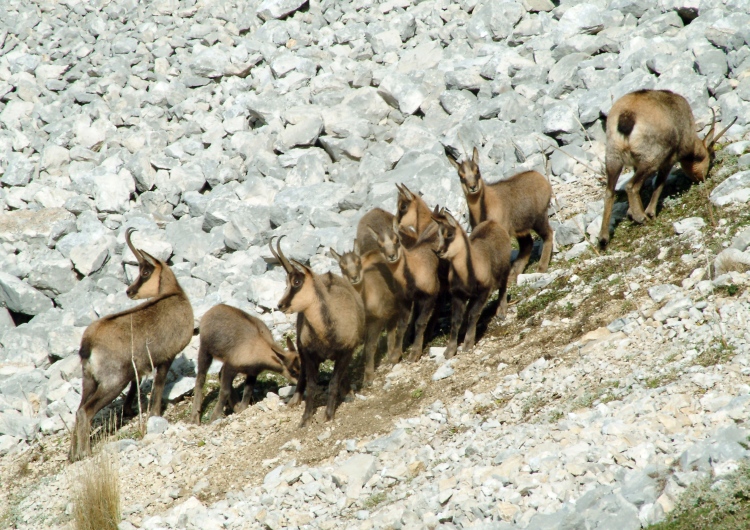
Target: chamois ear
(452, 160)
(374, 234)
(304, 269)
(475, 157)
(356, 248)
(149, 258)
(334, 254)
(406, 192)
(290, 344)
(451, 220)
(395, 225)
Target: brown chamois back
(330, 325)
(480, 264)
(415, 271)
(372, 278)
(377, 219)
(245, 345)
(651, 130)
(149, 335)
(518, 204)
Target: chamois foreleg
(299, 391)
(543, 228)
(247, 393)
(339, 373)
(661, 179)
(127, 407)
(475, 309)
(158, 389)
(310, 369)
(227, 376)
(458, 308)
(372, 334)
(426, 307)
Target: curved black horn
(725, 129)
(135, 251)
(279, 254)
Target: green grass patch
(717, 353)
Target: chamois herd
(398, 267)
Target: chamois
(245, 345)
(371, 277)
(376, 219)
(480, 263)
(413, 214)
(519, 204)
(330, 325)
(415, 271)
(650, 130)
(147, 336)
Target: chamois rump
(415, 271)
(330, 325)
(370, 276)
(149, 335)
(519, 204)
(480, 264)
(245, 345)
(651, 130)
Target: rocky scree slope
(211, 126)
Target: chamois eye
(146, 273)
(297, 282)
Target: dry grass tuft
(95, 492)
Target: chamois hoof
(239, 407)
(637, 218)
(296, 400)
(195, 418)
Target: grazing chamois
(480, 264)
(245, 345)
(117, 349)
(518, 204)
(415, 271)
(330, 325)
(371, 277)
(650, 130)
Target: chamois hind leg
(633, 189)
(525, 246)
(204, 363)
(339, 373)
(543, 228)
(101, 397)
(475, 309)
(311, 369)
(372, 334)
(458, 308)
(247, 394)
(426, 307)
(227, 376)
(79, 438)
(158, 389)
(614, 166)
(661, 179)
(502, 297)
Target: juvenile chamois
(371, 277)
(376, 219)
(330, 325)
(650, 130)
(413, 214)
(245, 345)
(518, 204)
(415, 271)
(147, 336)
(480, 264)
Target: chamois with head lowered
(415, 271)
(330, 325)
(371, 277)
(519, 204)
(650, 130)
(480, 264)
(245, 345)
(115, 346)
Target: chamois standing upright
(651, 130)
(519, 204)
(330, 325)
(480, 264)
(415, 271)
(145, 337)
(245, 345)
